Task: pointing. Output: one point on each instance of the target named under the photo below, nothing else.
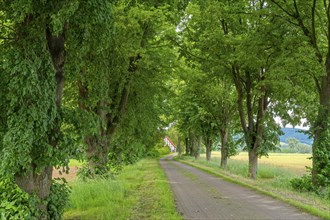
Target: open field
(139, 192)
(295, 163)
(71, 175)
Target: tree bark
(179, 146)
(208, 146)
(321, 127)
(321, 148)
(38, 184)
(253, 131)
(253, 163)
(224, 147)
(198, 148)
(192, 145)
(98, 146)
(97, 155)
(187, 146)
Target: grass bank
(273, 179)
(141, 191)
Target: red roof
(169, 139)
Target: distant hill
(295, 133)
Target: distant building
(168, 142)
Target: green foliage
(305, 184)
(32, 111)
(312, 55)
(15, 203)
(302, 184)
(153, 153)
(58, 198)
(163, 150)
(321, 158)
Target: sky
(278, 121)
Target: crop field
(294, 163)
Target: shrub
(154, 153)
(58, 198)
(164, 150)
(302, 184)
(15, 203)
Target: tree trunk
(38, 184)
(198, 148)
(192, 145)
(119, 155)
(321, 128)
(208, 147)
(224, 147)
(253, 131)
(97, 156)
(187, 146)
(179, 146)
(98, 146)
(253, 163)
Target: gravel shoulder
(199, 195)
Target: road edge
(301, 206)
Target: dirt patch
(71, 176)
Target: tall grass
(139, 192)
(95, 197)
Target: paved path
(199, 195)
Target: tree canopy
(101, 80)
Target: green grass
(240, 167)
(141, 191)
(273, 180)
(75, 163)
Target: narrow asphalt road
(199, 195)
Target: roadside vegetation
(138, 192)
(101, 81)
(275, 175)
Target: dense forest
(100, 81)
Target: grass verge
(273, 182)
(141, 191)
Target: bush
(163, 150)
(58, 198)
(15, 203)
(153, 153)
(302, 184)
